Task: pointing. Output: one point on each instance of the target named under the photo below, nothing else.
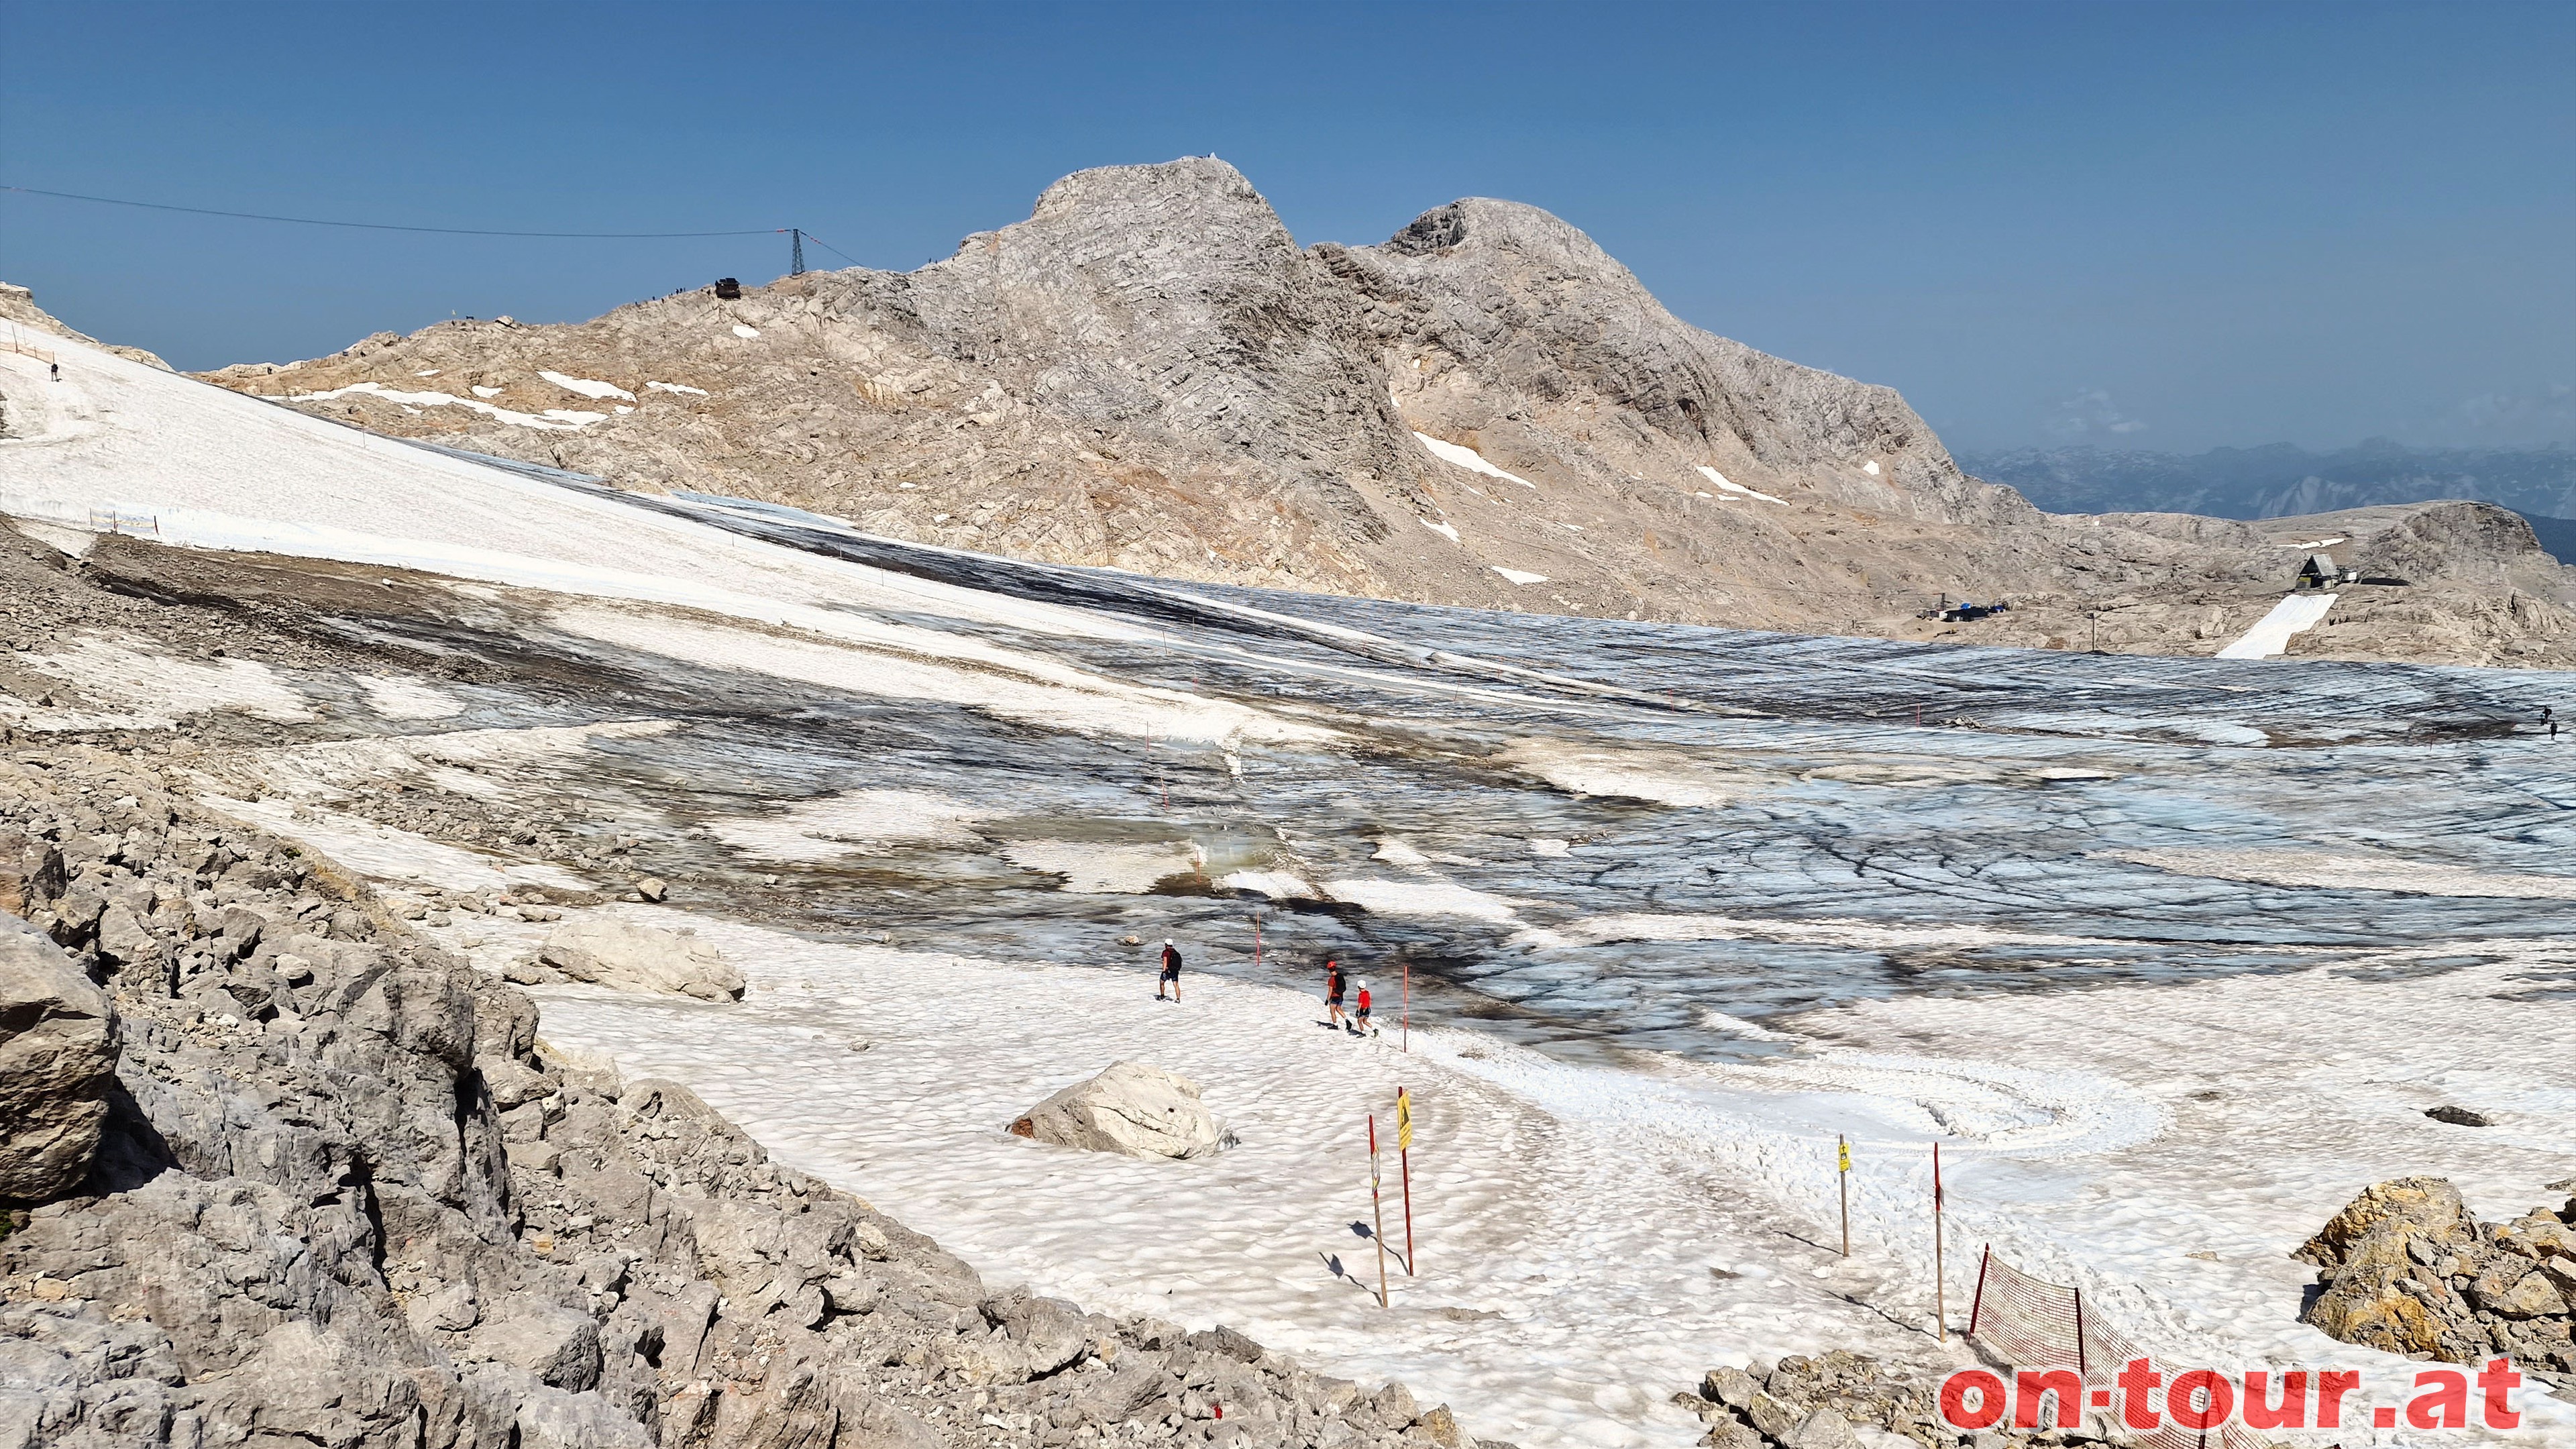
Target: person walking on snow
(1361, 1025)
(1171, 971)
(1333, 984)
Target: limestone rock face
(1485, 410)
(616, 953)
(1131, 1109)
(57, 1061)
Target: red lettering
(1954, 1400)
(2293, 1412)
(2137, 1383)
(2332, 1385)
(2445, 1405)
(2200, 1399)
(2029, 1389)
(2497, 1379)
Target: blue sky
(2148, 225)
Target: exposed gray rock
(610, 952)
(57, 1061)
(1728, 1385)
(560, 1346)
(1131, 1109)
(1823, 1429)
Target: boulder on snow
(2405, 1267)
(610, 952)
(1132, 1109)
(57, 1060)
(2378, 1227)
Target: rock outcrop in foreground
(1486, 409)
(57, 1061)
(1131, 1109)
(338, 1193)
(2405, 1268)
(1836, 1400)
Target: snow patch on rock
(587, 387)
(1469, 459)
(1720, 479)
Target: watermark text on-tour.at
(2197, 1399)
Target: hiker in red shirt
(1334, 981)
(1171, 976)
(1361, 1026)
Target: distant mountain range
(2281, 481)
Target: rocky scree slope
(1485, 410)
(273, 1168)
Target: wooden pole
(1404, 1162)
(1842, 1174)
(1940, 1288)
(1377, 1208)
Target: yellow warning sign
(1844, 1150)
(1403, 1120)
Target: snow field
(1574, 1221)
(2270, 636)
(209, 468)
(1567, 1233)
(1595, 1236)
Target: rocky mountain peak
(1534, 238)
(1190, 186)
(1149, 373)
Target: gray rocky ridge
(1485, 410)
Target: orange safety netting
(2031, 1323)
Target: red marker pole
(1404, 1023)
(1377, 1209)
(1256, 940)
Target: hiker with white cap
(1171, 971)
(1360, 1018)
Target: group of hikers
(1338, 987)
